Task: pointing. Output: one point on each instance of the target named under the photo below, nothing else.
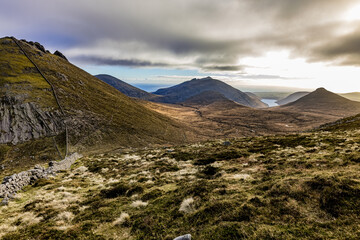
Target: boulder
(58, 53)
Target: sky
(262, 45)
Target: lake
(270, 102)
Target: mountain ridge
(125, 88)
(185, 90)
(98, 116)
(291, 98)
(322, 100)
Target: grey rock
(184, 237)
(4, 202)
(58, 53)
(22, 121)
(40, 47)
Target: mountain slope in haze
(185, 90)
(206, 98)
(124, 87)
(255, 97)
(292, 98)
(324, 101)
(98, 116)
(354, 96)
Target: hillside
(97, 116)
(185, 90)
(125, 88)
(354, 96)
(206, 98)
(303, 186)
(323, 101)
(272, 95)
(291, 98)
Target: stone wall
(12, 184)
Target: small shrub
(152, 195)
(43, 182)
(209, 172)
(204, 161)
(138, 204)
(187, 205)
(354, 157)
(228, 231)
(123, 220)
(182, 156)
(116, 191)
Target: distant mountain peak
(325, 101)
(185, 90)
(321, 89)
(124, 87)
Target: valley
(199, 158)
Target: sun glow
(353, 13)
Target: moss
(230, 231)
(152, 195)
(209, 172)
(43, 182)
(4, 149)
(118, 190)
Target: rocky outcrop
(22, 121)
(12, 184)
(58, 53)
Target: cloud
(229, 68)
(118, 62)
(343, 50)
(208, 35)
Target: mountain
(324, 101)
(124, 87)
(354, 96)
(271, 95)
(206, 98)
(291, 98)
(185, 90)
(254, 97)
(36, 113)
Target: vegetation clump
(303, 186)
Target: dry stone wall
(12, 184)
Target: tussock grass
(303, 186)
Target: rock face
(58, 53)
(12, 184)
(22, 121)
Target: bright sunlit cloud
(286, 43)
(353, 13)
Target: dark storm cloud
(118, 62)
(232, 68)
(344, 50)
(210, 35)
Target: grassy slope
(100, 118)
(117, 113)
(281, 187)
(19, 76)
